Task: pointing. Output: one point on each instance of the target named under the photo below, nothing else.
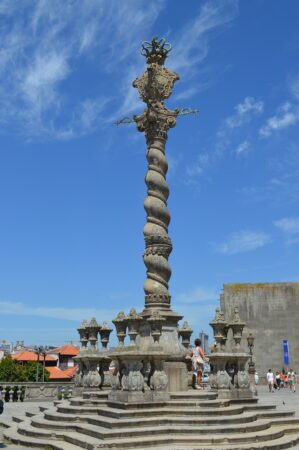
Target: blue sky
(72, 183)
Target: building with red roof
(25, 355)
(64, 355)
(57, 374)
(58, 361)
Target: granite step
(183, 411)
(111, 421)
(87, 402)
(194, 394)
(89, 439)
(285, 442)
(95, 394)
(124, 418)
(150, 430)
(13, 436)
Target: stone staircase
(190, 420)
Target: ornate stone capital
(155, 122)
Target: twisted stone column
(154, 86)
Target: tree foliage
(11, 371)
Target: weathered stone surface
(271, 312)
(173, 424)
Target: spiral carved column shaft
(154, 86)
(157, 241)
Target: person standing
(198, 359)
(291, 376)
(277, 379)
(1, 401)
(256, 378)
(282, 378)
(270, 380)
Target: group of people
(282, 379)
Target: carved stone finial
(219, 325)
(156, 322)
(219, 315)
(105, 333)
(185, 332)
(120, 323)
(133, 321)
(82, 330)
(236, 316)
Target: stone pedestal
(228, 375)
(132, 384)
(174, 365)
(177, 374)
(92, 366)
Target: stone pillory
(155, 86)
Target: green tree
(11, 371)
(30, 371)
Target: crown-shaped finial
(155, 51)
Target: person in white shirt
(256, 378)
(291, 375)
(270, 380)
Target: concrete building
(204, 337)
(5, 346)
(271, 312)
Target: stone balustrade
(35, 391)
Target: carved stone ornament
(82, 330)
(132, 379)
(156, 322)
(158, 379)
(78, 379)
(213, 381)
(237, 327)
(243, 379)
(133, 321)
(115, 381)
(85, 378)
(220, 329)
(223, 379)
(121, 327)
(105, 333)
(185, 332)
(156, 83)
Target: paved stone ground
(283, 399)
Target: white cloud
(294, 87)
(241, 149)
(63, 313)
(198, 295)
(192, 45)
(190, 91)
(243, 241)
(193, 171)
(244, 112)
(290, 227)
(288, 116)
(288, 224)
(43, 44)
